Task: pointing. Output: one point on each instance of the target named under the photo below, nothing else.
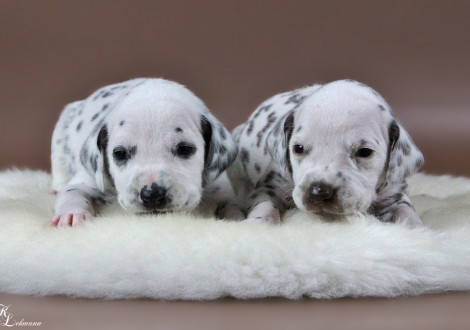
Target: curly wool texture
(190, 257)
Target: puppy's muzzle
(321, 196)
(154, 198)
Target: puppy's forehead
(159, 96)
(344, 108)
(150, 106)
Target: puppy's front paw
(69, 219)
(408, 217)
(264, 212)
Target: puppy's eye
(120, 154)
(364, 153)
(298, 149)
(184, 150)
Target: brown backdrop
(235, 54)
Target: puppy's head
(159, 147)
(343, 147)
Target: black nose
(154, 197)
(321, 193)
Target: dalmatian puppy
(334, 150)
(149, 143)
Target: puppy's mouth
(331, 211)
(168, 209)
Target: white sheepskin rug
(198, 258)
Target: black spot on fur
(405, 147)
(270, 120)
(271, 193)
(381, 107)
(272, 176)
(118, 87)
(254, 195)
(296, 99)
(399, 160)
(79, 126)
(106, 94)
(94, 117)
(105, 107)
(80, 108)
(222, 150)
(264, 108)
(244, 156)
(251, 124)
(178, 130)
(299, 128)
(222, 132)
(257, 168)
(122, 122)
(93, 161)
(269, 186)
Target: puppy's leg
(269, 199)
(402, 212)
(264, 212)
(76, 203)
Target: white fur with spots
(333, 149)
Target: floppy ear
(93, 155)
(220, 149)
(404, 157)
(277, 141)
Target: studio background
(234, 55)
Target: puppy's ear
(404, 158)
(277, 141)
(93, 155)
(220, 149)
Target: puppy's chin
(139, 209)
(329, 213)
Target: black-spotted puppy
(150, 143)
(333, 149)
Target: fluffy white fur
(178, 256)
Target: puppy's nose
(154, 197)
(321, 193)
